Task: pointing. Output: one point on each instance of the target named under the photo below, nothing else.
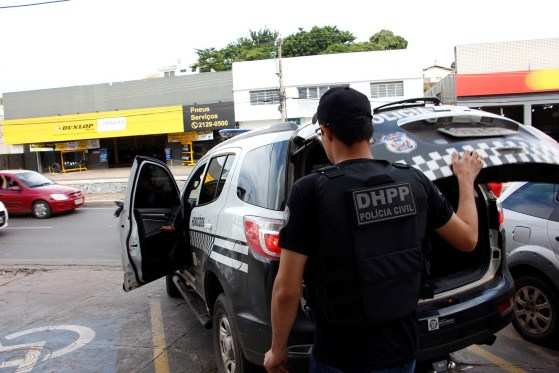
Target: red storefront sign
(507, 83)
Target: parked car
(24, 191)
(217, 240)
(3, 216)
(531, 218)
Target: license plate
(79, 201)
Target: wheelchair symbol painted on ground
(25, 356)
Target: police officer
(362, 226)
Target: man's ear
(328, 133)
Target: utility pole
(283, 103)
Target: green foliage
(315, 41)
(261, 45)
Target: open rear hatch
(425, 138)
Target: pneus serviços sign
(209, 117)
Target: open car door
(152, 225)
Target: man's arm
(285, 302)
(461, 231)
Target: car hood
(56, 188)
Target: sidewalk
(108, 184)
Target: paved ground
(63, 310)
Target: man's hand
(275, 362)
(466, 167)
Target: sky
(96, 41)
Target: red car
(24, 191)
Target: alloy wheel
(41, 209)
(532, 309)
(226, 345)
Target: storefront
(65, 143)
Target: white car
(3, 216)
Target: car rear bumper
(473, 318)
(70, 204)
(467, 322)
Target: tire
(226, 334)
(171, 288)
(41, 210)
(536, 324)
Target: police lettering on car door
(383, 203)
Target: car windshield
(33, 179)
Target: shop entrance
(121, 151)
(546, 118)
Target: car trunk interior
(450, 268)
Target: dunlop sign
(383, 203)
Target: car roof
(274, 128)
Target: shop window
(264, 189)
(546, 118)
(387, 89)
(514, 112)
(265, 97)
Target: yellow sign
(147, 121)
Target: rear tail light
(262, 235)
(496, 188)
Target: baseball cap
(343, 105)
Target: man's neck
(357, 151)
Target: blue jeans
(317, 367)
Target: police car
(216, 240)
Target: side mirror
(119, 208)
(15, 188)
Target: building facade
(383, 76)
(103, 125)
(518, 79)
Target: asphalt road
(87, 236)
(63, 310)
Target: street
(63, 310)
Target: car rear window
(534, 199)
(262, 176)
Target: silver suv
(531, 218)
(216, 240)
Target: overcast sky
(94, 41)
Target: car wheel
(171, 288)
(41, 210)
(227, 348)
(536, 309)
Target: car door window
(210, 187)
(262, 176)
(534, 199)
(192, 190)
(155, 188)
(225, 173)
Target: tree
(315, 41)
(261, 44)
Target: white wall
(518, 55)
(356, 69)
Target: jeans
(317, 367)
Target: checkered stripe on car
(201, 241)
(436, 165)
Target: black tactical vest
(372, 219)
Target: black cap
(341, 105)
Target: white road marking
(98, 208)
(27, 228)
(34, 350)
